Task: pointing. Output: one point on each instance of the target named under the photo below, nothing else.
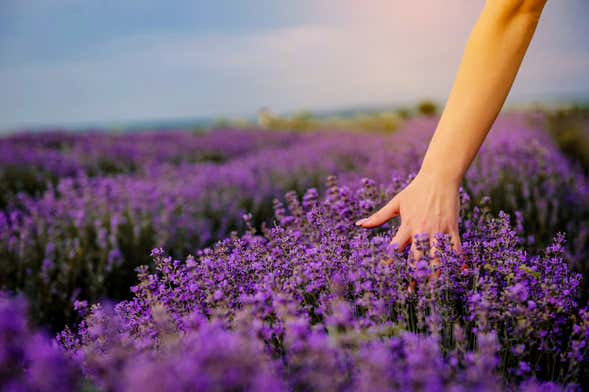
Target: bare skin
(491, 60)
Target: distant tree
(427, 108)
(302, 121)
(404, 113)
(221, 122)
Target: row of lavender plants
(316, 304)
(31, 161)
(84, 238)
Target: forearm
(488, 68)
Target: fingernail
(359, 222)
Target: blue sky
(68, 62)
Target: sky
(66, 62)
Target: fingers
(434, 246)
(456, 243)
(402, 238)
(418, 247)
(433, 251)
(386, 213)
(457, 246)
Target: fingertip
(456, 242)
(457, 249)
(369, 223)
(360, 222)
(401, 246)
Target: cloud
(381, 54)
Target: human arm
(491, 59)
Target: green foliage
(427, 108)
(27, 179)
(570, 129)
(381, 121)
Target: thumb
(386, 213)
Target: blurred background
(71, 64)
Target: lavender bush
(318, 304)
(30, 361)
(84, 237)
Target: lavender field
(229, 261)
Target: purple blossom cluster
(84, 237)
(314, 303)
(31, 361)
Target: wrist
(440, 174)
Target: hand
(428, 205)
